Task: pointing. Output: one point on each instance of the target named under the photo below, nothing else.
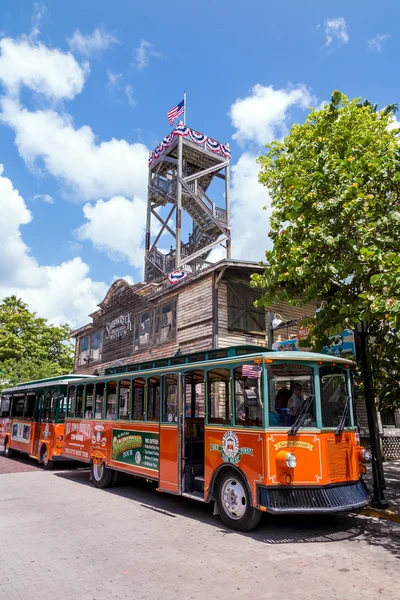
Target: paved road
(64, 539)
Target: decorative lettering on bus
(78, 430)
(293, 444)
(136, 448)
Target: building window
(142, 330)
(90, 348)
(165, 322)
(96, 339)
(83, 356)
(155, 326)
(242, 314)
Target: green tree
(30, 348)
(334, 184)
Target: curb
(388, 515)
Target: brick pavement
(64, 539)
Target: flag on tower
(175, 112)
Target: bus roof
(38, 383)
(230, 354)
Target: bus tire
(44, 459)
(101, 476)
(233, 502)
(8, 452)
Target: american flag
(175, 112)
(252, 371)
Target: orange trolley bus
(32, 418)
(253, 430)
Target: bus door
(39, 419)
(193, 456)
(171, 433)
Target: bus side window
(79, 401)
(71, 401)
(170, 399)
(139, 386)
(153, 399)
(111, 400)
(30, 403)
(89, 401)
(219, 395)
(5, 407)
(124, 399)
(17, 405)
(248, 406)
(98, 414)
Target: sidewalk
(392, 492)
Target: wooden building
(210, 309)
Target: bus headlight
(291, 460)
(365, 455)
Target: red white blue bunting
(193, 136)
(176, 276)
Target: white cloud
(130, 95)
(61, 293)
(39, 11)
(44, 198)
(143, 54)
(249, 222)
(114, 79)
(116, 227)
(54, 73)
(336, 31)
(376, 43)
(395, 124)
(88, 168)
(91, 44)
(261, 116)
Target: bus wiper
(301, 416)
(342, 423)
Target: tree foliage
(334, 184)
(30, 348)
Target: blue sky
(84, 91)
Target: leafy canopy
(30, 348)
(334, 184)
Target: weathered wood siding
(228, 337)
(194, 324)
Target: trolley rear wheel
(102, 477)
(8, 452)
(47, 463)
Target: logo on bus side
(230, 449)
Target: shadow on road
(293, 529)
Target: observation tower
(182, 170)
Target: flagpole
(184, 106)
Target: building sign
(118, 327)
(136, 448)
(342, 344)
(303, 332)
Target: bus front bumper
(313, 499)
